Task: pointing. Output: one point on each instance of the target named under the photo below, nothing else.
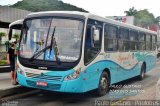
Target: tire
(158, 55)
(103, 86)
(142, 74)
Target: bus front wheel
(103, 86)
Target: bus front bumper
(70, 86)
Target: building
(131, 20)
(124, 19)
(7, 16)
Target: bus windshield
(48, 38)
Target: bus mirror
(96, 35)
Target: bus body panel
(117, 72)
(150, 60)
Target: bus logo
(42, 68)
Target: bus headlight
(74, 75)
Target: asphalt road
(131, 89)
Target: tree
(131, 12)
(144, 19)
(16, 36)
(46, 5)
(2, 34)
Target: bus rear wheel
(103, 86)
(142, 74)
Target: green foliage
(16, 36)
(144, 18)
(131, 12)
(2, 34)
(46, 5)
(3, 62)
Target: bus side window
(142, 41)
(91, 47)
(110, 38)
(88, 37)
(153, 42)
(123, 39)
(133, 35)
(148, 42)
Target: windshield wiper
(54, 44)
(39, 53)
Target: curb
(4, 69)
(13, 91)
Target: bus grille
(46, 77)
(49, 86)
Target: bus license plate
(39, 83)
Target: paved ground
(5, 81)
(150, 85)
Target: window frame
(136, 41)
(154, 44)
(116, 37)
(123, 39)
(91, 22)
(142, 41)
(150, 48)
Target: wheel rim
(142, 74)
(103, 83)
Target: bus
(76, 52)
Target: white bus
(77, 52)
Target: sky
(108, 7)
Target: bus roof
(16, 22)
(57, 12)
(89, 15)
(114, 22)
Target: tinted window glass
(110, 40)
(124, 33)
(141, 37)
(133, 35)
(148, 42)
(92, 47)
(123, 45)
(123, 39)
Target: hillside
(46, 5)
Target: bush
(16, 36)
(2, 34)
(3, 62)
